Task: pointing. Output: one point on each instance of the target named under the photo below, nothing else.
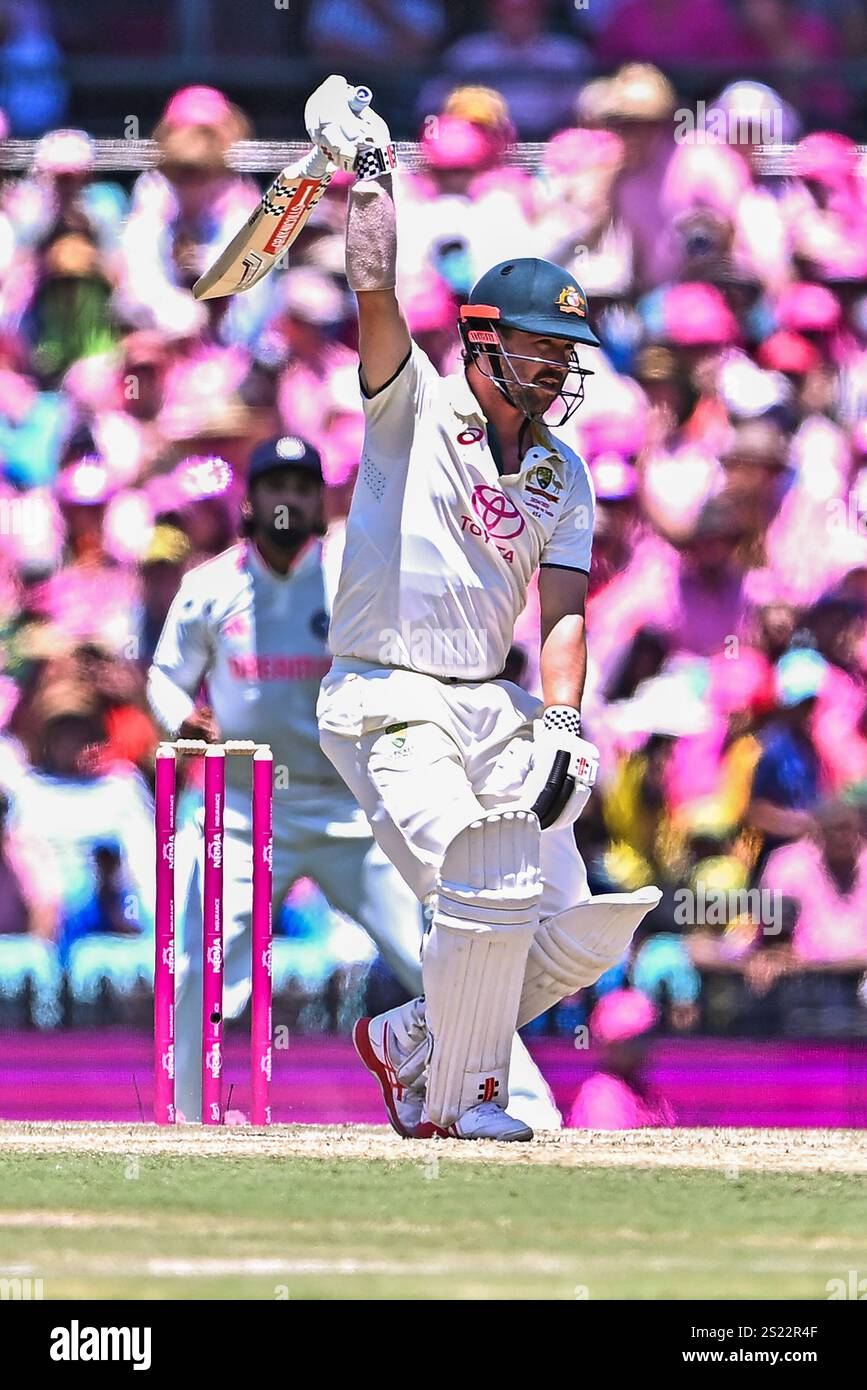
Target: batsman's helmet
(534, 295)
(537, 297)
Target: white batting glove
(355, 140)
(563, 769)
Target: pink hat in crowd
(613, 478)
(705, 177)
(129, 526)
(64, 152)
(826, 157)
(85, 483)
(202, 476)
(197, 106)
(570, 151)
(94, 382)
(785, 351)
(695, 314)
(742, 683)
(806, 308)
(452, 143)
(622, 1014)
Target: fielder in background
(472, 787)
(252, 624)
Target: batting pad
(573, 948)
(487, 911)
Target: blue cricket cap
(284, 451)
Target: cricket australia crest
(542, 490)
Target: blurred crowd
(58, 62)
(725, 428)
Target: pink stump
(164, 942)
(260, 1027)
(212, 938)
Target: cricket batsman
(252, 625)
(470, 785)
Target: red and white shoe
(378, 1043)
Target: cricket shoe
(488, 1121)
(394, 1047)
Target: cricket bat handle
(361, 98)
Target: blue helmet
(534, 296)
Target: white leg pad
(486, 914)
(573, 948)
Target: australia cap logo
(572, 301)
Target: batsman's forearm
(168, 703)
(371, 235)
(563, 663)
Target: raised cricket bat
(271, 228)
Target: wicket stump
(212, 928)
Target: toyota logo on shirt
(499, 516)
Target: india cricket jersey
(440, 547)
(258, 640)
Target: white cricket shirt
(258, 641)
(440, 547)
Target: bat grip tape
(556, 792)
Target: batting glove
(563, 769)
(356, 141)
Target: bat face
(276, 222)
(251, 265)
(268, 232)
(290, 206)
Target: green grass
(350, 1228)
